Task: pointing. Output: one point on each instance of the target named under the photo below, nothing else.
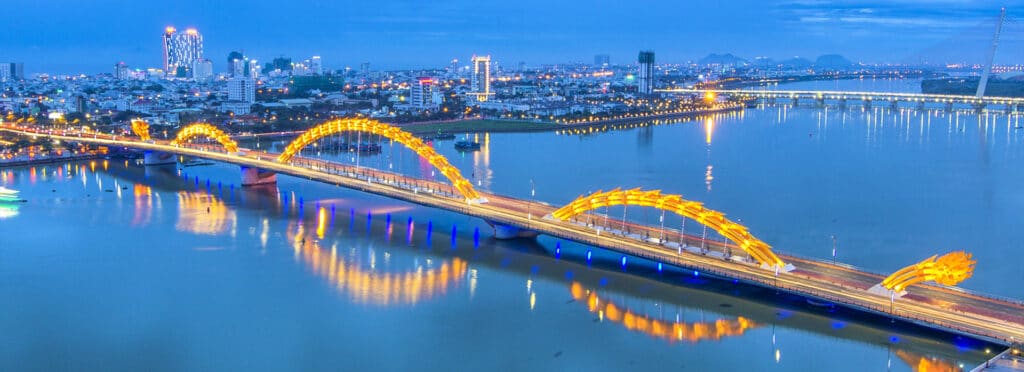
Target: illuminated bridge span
(949, 309)
(893, 100)
(759, 250)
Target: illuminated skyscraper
(645, 79)
(10, 71)
(480, 84)
(242, 89)
(316, 66)
(254, 69)
(121, 71)
(421, 93)
(202, 69)
(181, 49)
(602, 60)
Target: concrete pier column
(254, 176)
(502, 231)
(158, 158)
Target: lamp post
(529, 206)
(833, 249)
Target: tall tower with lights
(181, 49)
(480, 84)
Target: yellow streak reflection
(919, 363)
(366, 286)
(203, 214)
(691, 332)
(143, 205)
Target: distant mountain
(832, 62)
(722, 59)
(797, 62)
(764, 61)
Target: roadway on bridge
(935, 306)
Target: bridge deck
(950, 309)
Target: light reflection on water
(483, 285)
(669, 330)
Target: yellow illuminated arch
(391, 132)
(205, 130)
(950, 269)
(691, 332)
(759, 250)
(141, 129)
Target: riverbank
(512, 126)
(47, 160)
(472, 126)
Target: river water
(113, 266)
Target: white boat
(8, 195)
(8, 192)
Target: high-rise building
(242, 89)
(422, 92)
(316, 66)
(237, 67)
(202, 69)
(181, 49)
(364, 68)
(602, 60)
(254, 69)
(121, 71)
(480, 84)
(10, 71)
(645, 78)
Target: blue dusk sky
(79, 36)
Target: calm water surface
(114, 266)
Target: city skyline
(66, 39)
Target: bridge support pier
(502, 231)
(255, 176)
(949, 106)
(894, 105)
(979, 107)
(158, 158)
(920, 106)
(796, 101)
(842, 103)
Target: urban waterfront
(296, 277)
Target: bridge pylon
(153, 158)
(252, 176)
(505, 232)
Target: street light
(833, 249)
(533, 193)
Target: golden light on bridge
(387, 131)
(949, 269)
(759, 250)
(141, 129)
(691, 332)
(205, 130)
